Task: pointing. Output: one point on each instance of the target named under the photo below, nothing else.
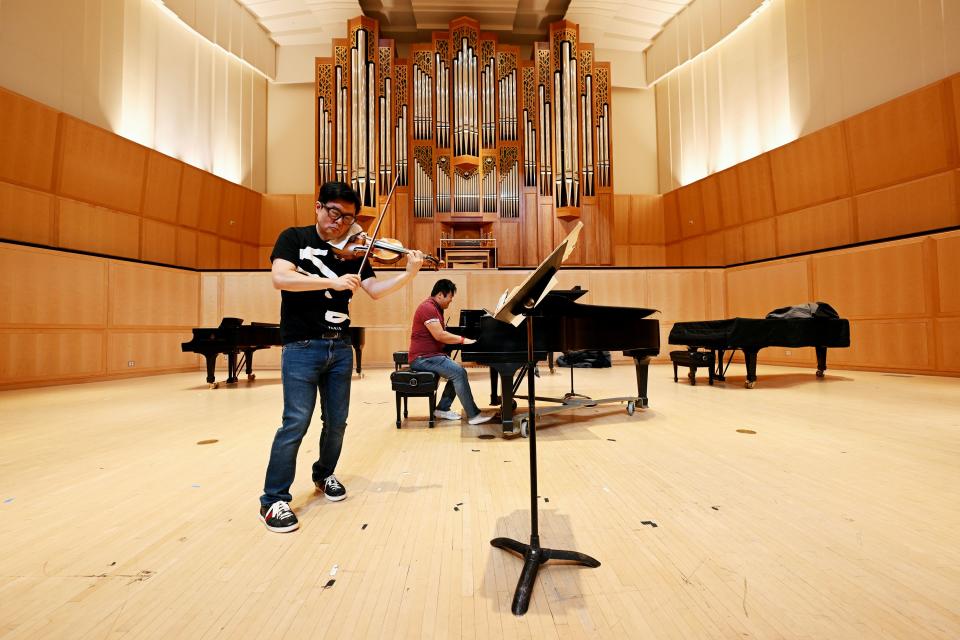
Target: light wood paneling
(544, 240)
(251, 257)
(231, 254)
(211, 310)
(100, 167)
(41, 288)
(305, 206)
(677, 294)
(819, 227)
(381, 342)
(887, 344)
(899, 140)
(713, 246)
(810, 170)
(232, 207)
(211, 197)
(251, 217)
(148, 351)
(715, 294)
(161, 195)
(671, 217)
(948, 344)
(158, 242)
(619, 288)
(690, 210)
(28, 131)
(148, 296)
(755, 290)
(602, 226)
(646, 255)
(191, 183)
(509, 242)
(49, 355)
(873, 282)
(277, 212)
(712, 208)
(98, 230)
(729, 186)
(646, 220)
(186, 247)
(250, 296)
(948, 271)
(759, 240)
(25, 215)
(733, 246)
(621, 218)
(674, 255)
(208, 251)
(530, 223)
(694, 251)
(927, 203)
(756, 188)
(263, 257)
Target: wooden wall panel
(186, 247)
(619, 288)
(713, 244)
(646, 226)
(530, 227)
(251, 217)
(810, 170)
(756, 188)
(694, 251)
(148, 296)
(158, 242)
(277, 212)
(671, 218)
(873, 282)
(819, 227)
(733, 246)
(231, 254)
(45, 356)
(677, 294)
(148, 351)
(211, 197)
(25, 215)
(509, 243)
(621, 219)
(251, 257)
(948, 271)
(673, 255)
(753, 291)
(208, 251)
(306, 209)
(900, 140)
(603, 224)
(232, 204)
(759, 240)
(250, 296)
(263, 257)
(211, 309)
(690, 210)
(645, 256)
(712, 207)
(484, 288)
(161, 195)
(41, 287)
(887, 345)
(28, 131)
(927, 203)
(191, 183)
(378, 351)
(545, 218)
(100, 167)
(729, 186)
(98, 230)
(948, 344)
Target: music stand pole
(533, 554)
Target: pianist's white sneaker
(479, 419)
(446, 415)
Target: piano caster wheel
(524, 427)
(251, 376)
(631, 407)
(214, 385)
(749, 384)
(819, 373)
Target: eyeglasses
(336, 213)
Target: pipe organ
(477, 140)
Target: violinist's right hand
(349, 281)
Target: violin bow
(376, 229)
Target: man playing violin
(428, 337)
(316, 286)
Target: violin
(384, 250)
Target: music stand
(519, 304)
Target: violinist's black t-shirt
(304, 315)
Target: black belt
(333, 335)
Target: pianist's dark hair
(443, 286)
(331, 191)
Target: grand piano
(236, 339)
(560, 324)
(749, 335)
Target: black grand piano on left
(235, 339)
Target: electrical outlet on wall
(131, 363)
(788, 352)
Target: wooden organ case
(482, 144)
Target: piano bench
(418, 384)
(692, 359)
(399, 360)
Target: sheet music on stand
(511, 302)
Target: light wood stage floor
(838, 518)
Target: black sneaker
(278, 517)
(331, 488)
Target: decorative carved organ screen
(463, 123)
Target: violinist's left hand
(414, 260)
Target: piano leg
(232, 367)
(642, 366)
(750, 357)
(821, 360)
(211, 369)
(248, 359)
(719, 363)
(494, 396)
(507, 371)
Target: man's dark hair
(331, 191)
(443, 286)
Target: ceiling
(627, 25)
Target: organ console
(478, 138)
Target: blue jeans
(306, 367)
(457, 382)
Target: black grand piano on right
(749, 335)
(562, 324)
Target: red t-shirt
(422, 342)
